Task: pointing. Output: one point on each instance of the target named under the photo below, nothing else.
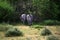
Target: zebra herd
(27, 17)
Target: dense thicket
(48, 9)
(10, 10)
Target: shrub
(37, 26)
(6, 5)
(51, 37)
(5, 27)
(6, 11)
(13, 32)
(45, 32)
(51, 22)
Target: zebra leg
(29, 23)
(23, 22)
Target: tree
(5, 10)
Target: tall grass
(5, 27)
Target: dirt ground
(29, 33)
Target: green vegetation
(37, 26)
(45, 12)
(10, 10)
(13, 32)
(6, 6)
(45, 32)
(50, 22)
(5, 27)
(6, 10)
(51, 37)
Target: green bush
(37, 26)
(5, 5)
(51, 22)
(45, 32)
(13, 32)
(52, 38)
(6, 10)
(5, 27)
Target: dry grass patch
(29, 33)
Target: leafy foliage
(41, 9)
(37, 26)
(13, 32)
(45, 9)
(51, 22)
(51, 37)
(5, 27)
(6, 10)
(45, 32)
(6, 5)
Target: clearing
(29, 33)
